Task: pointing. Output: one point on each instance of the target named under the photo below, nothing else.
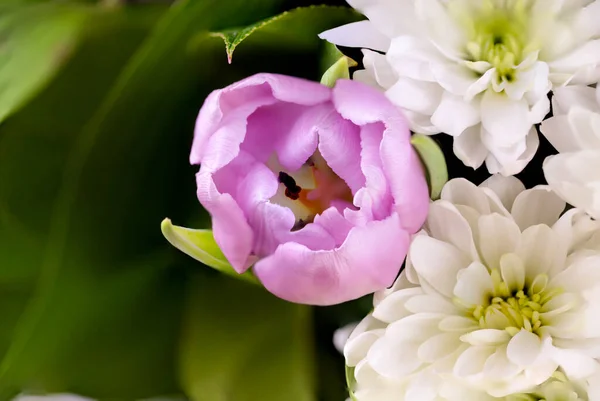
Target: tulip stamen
(301, 223)
(292, 190)
(309, 190)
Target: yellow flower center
(515, 309)
(497, 33)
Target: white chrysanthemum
(479, 70)
(574, 130)
(559, 388)
(498, 292)
(341, 335)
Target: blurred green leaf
(242, 344)
(201, 245)
(434, 162)
(289, 27)
(81, 196)
(34, 42)
(64, 306)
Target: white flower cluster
(574, 130)
(500, 299)
(480, 70)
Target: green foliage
(89, 322)
(338, 70)
(98, 107)
(433, 161)
(36, 42)
(248, 348)
(295, 28)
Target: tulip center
(514, 309)
(497, 34)
(310, 190)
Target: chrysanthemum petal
(437, 262)
(358, 34)
(524, 348)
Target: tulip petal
(339, 144)
(221, 124)
(272, 223)
(367, 261)
(407, 179)
(362, 104)
(374, 200)
(230, 228)
(215, 131)
(400, 162)
(288, 130)
(334, 223)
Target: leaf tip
(339, 70)
(165, 225)
(168, 231)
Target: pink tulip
(319, 188)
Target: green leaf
(260, 351)
(201, 245)
(97, 292)
(66, 304)
(433, 160)
(339, 70)
(35, 42)
(296, 28)
(330, 54)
